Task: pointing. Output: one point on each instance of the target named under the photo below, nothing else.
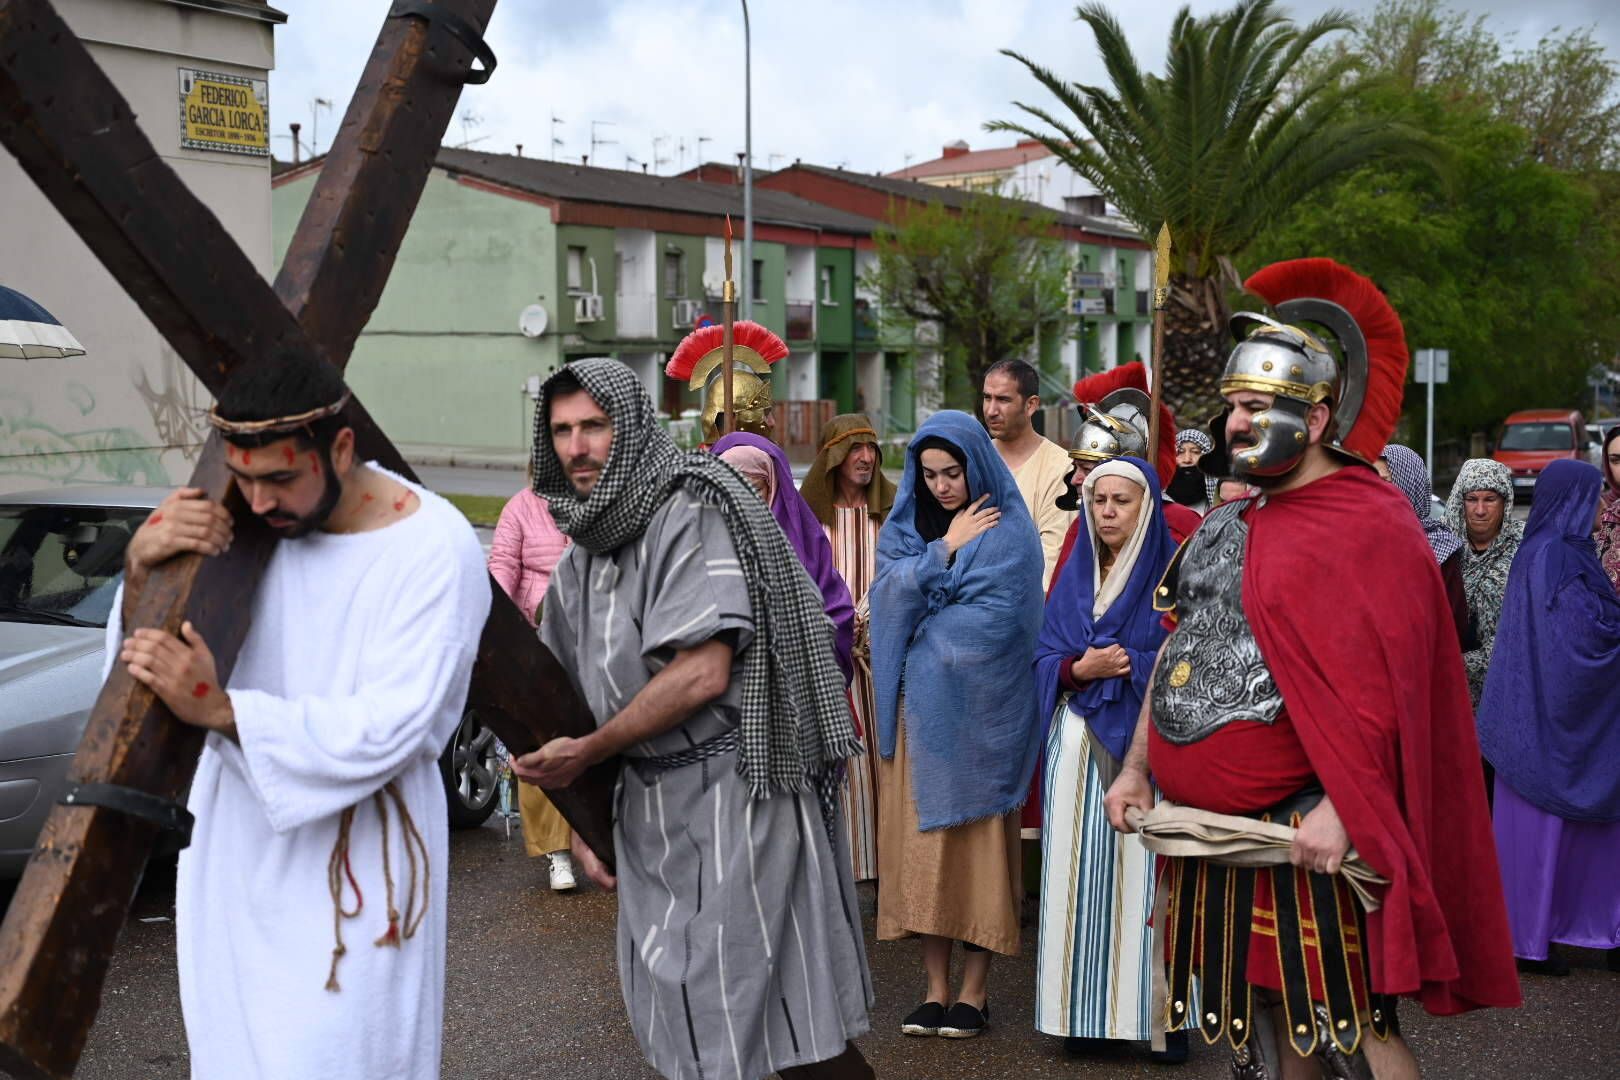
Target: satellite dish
(532, 320)
(714, 281)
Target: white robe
(353, 673)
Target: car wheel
(470, 766)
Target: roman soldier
(698, 360)
(1313, 684)
(1116, 407)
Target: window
(576, 269)
(674, 274)
(756, 285)
(1543, 436)
(827, 296)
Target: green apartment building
(513, 266)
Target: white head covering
(1106, 592)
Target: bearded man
(323, 750)
(1192, 486)
(1321, 602)
(1040, 467)
(1480, 510)
(702, 647)
(850, 496)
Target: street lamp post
(748, 172)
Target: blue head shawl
(960, 637)
(1547, 717)
(1110, 706)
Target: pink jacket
(525, 550)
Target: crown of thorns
(279, 423)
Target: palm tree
(1240, 128)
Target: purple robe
(1547, 723)
(804, 533)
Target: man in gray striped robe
(740, 948)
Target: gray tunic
(740, 948)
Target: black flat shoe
(925, 1019)
(963, 1021)
(1080, 1046)
(1175, 1050)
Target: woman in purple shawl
(1098, 643)
(1547, 722)
(774, 482)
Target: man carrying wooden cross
(310, 906)
(702, 648)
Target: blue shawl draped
(1110, 706)
(1547, 719)
(960, 638)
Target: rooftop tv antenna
(556, 143)
(597, 140)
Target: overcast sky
(870, 85)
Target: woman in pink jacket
(525, 550)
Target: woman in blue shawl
(956, 607)
(1092, 665)
(1548, 723)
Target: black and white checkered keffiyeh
(796, 726)
(1205, 444)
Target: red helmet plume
(701, 342)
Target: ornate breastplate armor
(1210, 670)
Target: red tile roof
(956, 161)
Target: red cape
(1350, 613)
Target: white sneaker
(562, 872)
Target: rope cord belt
(339, 873)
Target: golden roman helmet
(700, 361)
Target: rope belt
(340, 874)
(648, 767)
(825, 783)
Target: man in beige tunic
(1039, 466)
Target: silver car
(61, 560)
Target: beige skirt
(965, 883)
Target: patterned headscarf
(1197, 438)
(1608, 528)
(1485, 573)
(788, 670)
(1407, 471)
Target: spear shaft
(728, 314)
(1161, 297)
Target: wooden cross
(76, 137)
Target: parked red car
(1533, 438)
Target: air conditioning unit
(588, 308)
(686, 313)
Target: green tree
(1232, 135)
(987, 279)
(1511, 260)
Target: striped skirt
(1094, 969)
(860, 790)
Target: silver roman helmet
(1115, 426)
(1281, 356)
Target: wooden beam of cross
(76, 137)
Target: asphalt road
(533, 991)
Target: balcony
(868, 322)
(801, 320)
